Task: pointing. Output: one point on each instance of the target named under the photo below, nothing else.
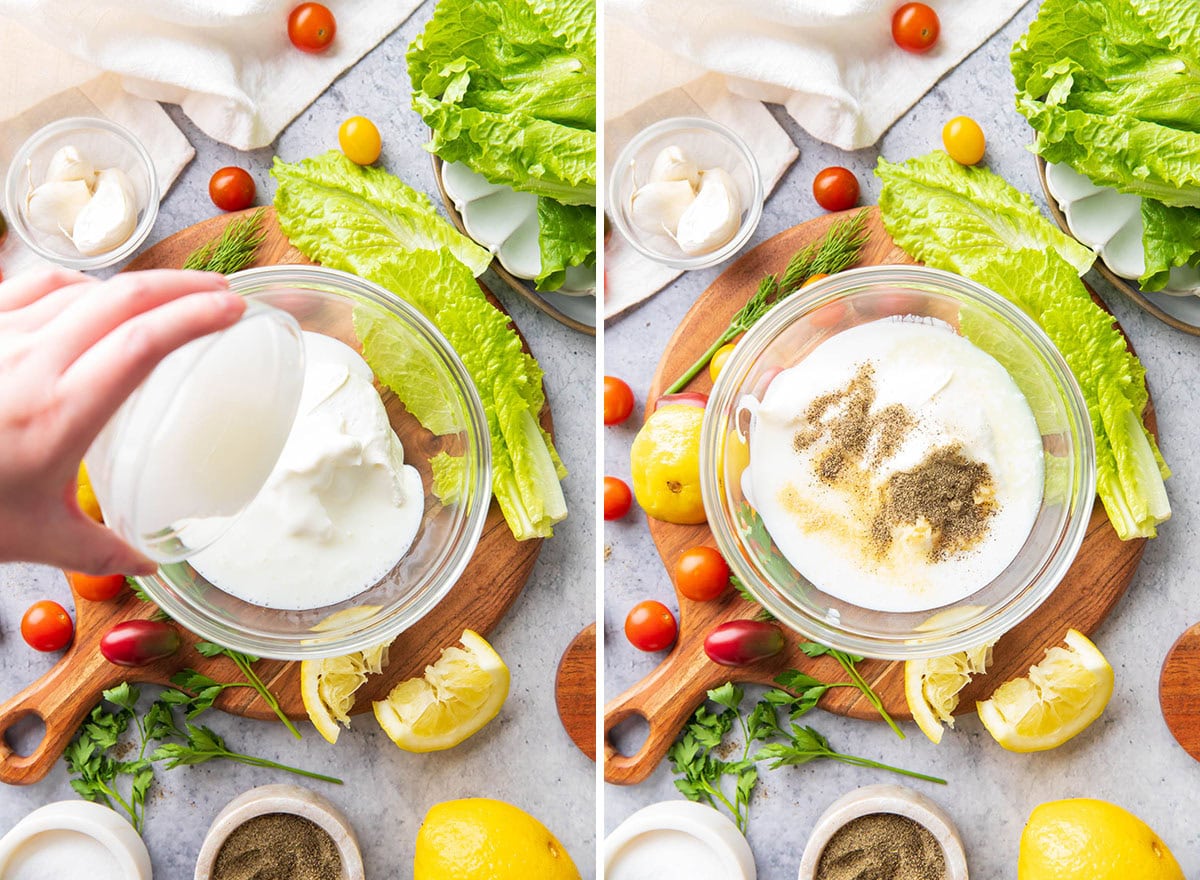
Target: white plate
(1111, 222)
(505, 222)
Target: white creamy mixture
(842, 512)
(340, 507)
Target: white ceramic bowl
(95, 828)
(673, 839)
(107, 145)
(294, 799)
(894, 799)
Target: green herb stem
(272, 765)
(867, 691)
(257, 683)
(694, 370)
(234, 250)
(877, 765)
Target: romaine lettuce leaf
(964, 220)
(365, 221)
(1170, 238)
(963, 216)
(566, 237)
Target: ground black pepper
(882, 846)
(278, 846)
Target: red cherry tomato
(684, 398)
(650, 626)
(835, 188)
(138, 642)
(231, 188)
(311, 27)
(618, 400)
(915, 27)
(701, 574)
(46, 626)
(742, 642)
(617, 498)
(97, 589)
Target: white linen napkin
(227, 63)
(630, 277)
(833, 65)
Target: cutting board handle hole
(629, 735)
(25, 734)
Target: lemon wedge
(327, 687)
(932, 685)
(460, 693)
(1059, 697)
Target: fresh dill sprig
(838, 249)
(234, 250)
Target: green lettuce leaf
(509, 89)
(939, 212)
(566, 237)
(963, 216)
(1170, 238)
(365, 221)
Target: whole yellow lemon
(665, 464)
(1086, 839)
(484, 839)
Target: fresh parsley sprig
(697, 756)
(101, 774)
(839, 248)
(245, 664)
(849, 663)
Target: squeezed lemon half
(1060, 696)
(932, 685)
(460, 693)
(327, 686)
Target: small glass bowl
(106, 145)
(709, 145)
(783, 338)
(326, 301)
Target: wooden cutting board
(63, 696)
(667, 697)
(575, 690)
(1179, 690)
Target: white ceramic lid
(74, 839)
(677, 839)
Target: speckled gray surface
(523, 756)
(1128, 756)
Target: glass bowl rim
(935, 642)
(346, 639)
(149, 212)
(753, 211)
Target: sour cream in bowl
(898, 463)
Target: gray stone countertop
(523, 756)
(1128, 756)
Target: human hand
(71, 350)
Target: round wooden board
(64, 695)
(575, 690)
(666, 698)
(1179, 691)
(1127, 287)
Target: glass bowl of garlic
(686, 192)
(82, 193)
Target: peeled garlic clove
(55, 206)
(68, 164)
(109, 218)
(713, 218)
(658, 206)
(673, 164)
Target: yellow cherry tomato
(359, 139)
(717, 364)
(964, 140)
(813, 279)
(665, 464)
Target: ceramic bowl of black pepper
(885, 831)
(280, 831)
(898, 463)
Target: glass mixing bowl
(782, 339)
(328, 302)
